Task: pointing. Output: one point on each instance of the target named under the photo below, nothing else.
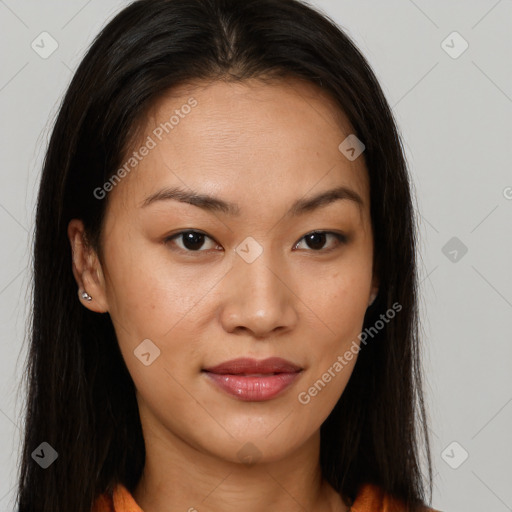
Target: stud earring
(84, 295)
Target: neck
(178, 476)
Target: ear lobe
(86, 268)
(94, 285)
(374, 292)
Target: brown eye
(194, 241)
(316, 240)
(191, 241)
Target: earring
(84, 295)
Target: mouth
(254, 380)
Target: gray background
(455, 115)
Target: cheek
(150, 295)
(338, 299)
(347, 303)
(337, 309)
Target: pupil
(316, 240)
(193, 240)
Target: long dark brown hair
(81, 398)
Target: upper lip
(246, 365)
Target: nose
(258, 298)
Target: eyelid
(341, 238)
(170, 238)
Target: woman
(225, 188)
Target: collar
(370, 498)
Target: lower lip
(253, 389)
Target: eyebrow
(214, 204)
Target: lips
(246, 366)
(252, 379)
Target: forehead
(243, 140)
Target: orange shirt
(369, 499)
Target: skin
(261, 146)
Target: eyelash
(340, 237)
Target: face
(258, 270)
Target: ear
(374, 290)
(87, 268)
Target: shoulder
(372, 498)
(104, 503)
(120, 500)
